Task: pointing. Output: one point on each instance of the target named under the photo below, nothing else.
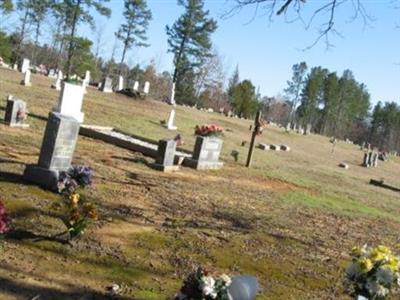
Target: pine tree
(233, 82)
(133, 32)
(6, 6)
(39, 11)
(244, 99)
(189, 41)
(295, 86)
(79, 11)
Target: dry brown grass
(290, 220)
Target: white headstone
(172, 98)
(171, 119)
(25, 65)
(15, 67)
(136, 86)
(87, 78)
(70, 101)
(120, 83)
(27, 78)
(146, 88)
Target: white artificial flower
(226, 279)
(384, 276)
(365, 250)
(382, 291)
(207, 286)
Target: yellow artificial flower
(356, 251)
(365, 265)
(74, 198)
(383, 249)
(377, 256)
(393, 264)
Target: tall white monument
(70, 101)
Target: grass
(289, 220)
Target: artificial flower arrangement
(209, 130)
(374, 272)
(79, 212)
(201, 285)
(4, 221)
(262, 125)
(22, 115)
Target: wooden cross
(257, 124)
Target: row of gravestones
(298, 128)
(273, 147)
(370, 159)
(104, 86)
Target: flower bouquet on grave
(261, 126)
(4, 223)
(78, 213)
(200, 285)
(373, 273)
(209, 130)
(21, 115)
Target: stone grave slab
(166, 156)
(56, 152)
(16, 113)
(206, 153)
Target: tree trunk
(71, 42)
(178, 58)
(21, 36)
(37, 32)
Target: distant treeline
(336, 106)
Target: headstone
(15, 67)
(369, 163)
(288, 127)
(308, 129)
(136, 86)
(57, 84)
(56, 153)
(52, 73)
(275, 147)
(206, 153)
(16, 113)
(172, 96)
(235, 155)
(264, 146)
(365, 160)
(120, 83)
(25, 65)
(27, 78)
(375, 157)
(146, 88)
(171, 120)
(166, 156)
(210, 110)
(87, 77)
(70, 101)
(106, 85)
(344, 165)
(285, 148)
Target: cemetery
(151, 224)
(139, 162)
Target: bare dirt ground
(290, 220)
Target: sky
(265, 49)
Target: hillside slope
(290, 220)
